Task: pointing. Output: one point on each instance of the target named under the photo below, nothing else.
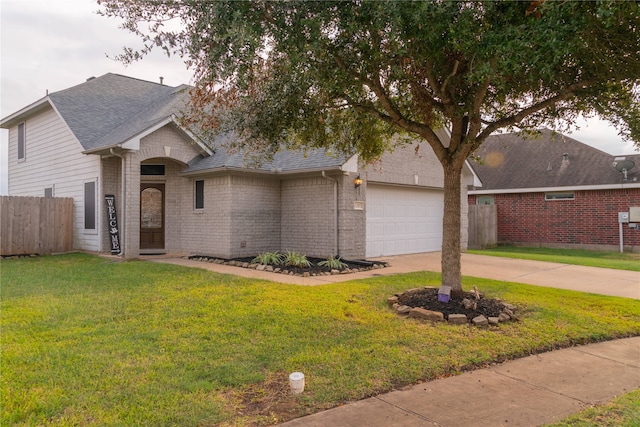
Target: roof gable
(510, 161)
(109, 109)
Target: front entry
(151, 216)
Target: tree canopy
(348, 74)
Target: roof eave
(617, 186)
(20, 115)
(272, 173)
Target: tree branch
(446, 80)
(565, 94)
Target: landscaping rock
(421, 313)
(392, 300)
(268, 268)
(493, 320)
(458, 319)
(511, 314)
(261, 267)
(468, 304)
(504, 317)
(403, 310)
(480, 321)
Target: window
(90, 205)
(569, 195)
(21, 142)
(199, 195)
(484, 200)
(151, 170)
(48, 192)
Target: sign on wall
(112, 224)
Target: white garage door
(403, 220)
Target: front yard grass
(623, 411)
(91, 341)
(603, 259)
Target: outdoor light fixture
(357, 182)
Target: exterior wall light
(357, 182)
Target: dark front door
(152, 216)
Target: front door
(152, 216)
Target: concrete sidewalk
(532, 391)
(574, 277)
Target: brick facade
(246, 214)
(589, 221)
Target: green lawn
(603, 259)
(623, 411)
(90, 341)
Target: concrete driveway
(602, 281)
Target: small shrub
(269, 258)
(296, 259)
(333, 263)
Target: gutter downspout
(335, 213)
(122, 201)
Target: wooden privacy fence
(35, 225)
(483, 226)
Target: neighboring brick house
(555, 191)
(173, 193)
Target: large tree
(348, 74)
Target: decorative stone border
(506, 315)
(283, 270)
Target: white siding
(54, 158)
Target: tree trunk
(451, 223)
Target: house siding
(53, 158)
(404, 164)
(589, 221)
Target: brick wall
(308, 221)
(589, 221)
(206, 231)
(255, 213)
(353, 222)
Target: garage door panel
(403, 220)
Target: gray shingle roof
(509, 161)
(112, 108)
(284, 161)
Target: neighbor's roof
(550, 160)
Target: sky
(51, 45)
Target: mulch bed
(353, 266)
(427, 298)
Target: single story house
(554, 191)
(142, 183)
